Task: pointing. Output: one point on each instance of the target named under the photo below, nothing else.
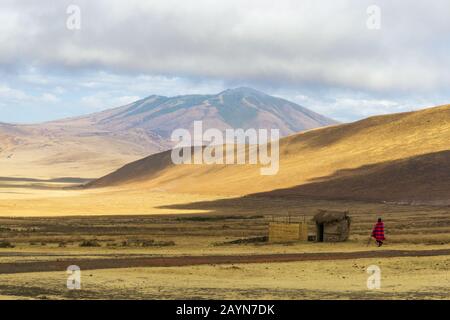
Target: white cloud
(48, 97)
(121, 101)
(104, 100)
(34, 78)
(320, 55)
(95, 101)
(290, 42)
(59, 90)
(8, 93)
(13, 96)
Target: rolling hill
(93, 145)
(400, 157)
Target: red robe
(378, 231)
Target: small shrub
(153, 243)
(164, 243)
(148, 243)
(90, 243)
(252, 240)
(6, 244)
(218, 218)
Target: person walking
(378, 232)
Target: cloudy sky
(329, 56)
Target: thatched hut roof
(325, 216)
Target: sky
(346, 59)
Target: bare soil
(93, 264)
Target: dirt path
(92, 264)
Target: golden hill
(379, 158)
(71, 148)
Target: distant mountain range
(93, 145)
(234, 108)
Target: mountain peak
(241, 107)
(243, 91)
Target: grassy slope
(313, 156)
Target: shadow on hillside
(422, 179)
(60, 180)
(40, 184)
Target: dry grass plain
(402, 278)
(152, 210)
(43, 222)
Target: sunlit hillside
(315, 156)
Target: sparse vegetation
(6, 244)
(153, 243)
(90, 243)
(133, 237)
(252, 240)
(147, 243)
(219, 218)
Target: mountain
(70, 149)
(93, 145)
(235, 108)
(400, 157)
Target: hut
(332, 226)
(288, 230)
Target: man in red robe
(378, 232)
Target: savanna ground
(43, 225)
